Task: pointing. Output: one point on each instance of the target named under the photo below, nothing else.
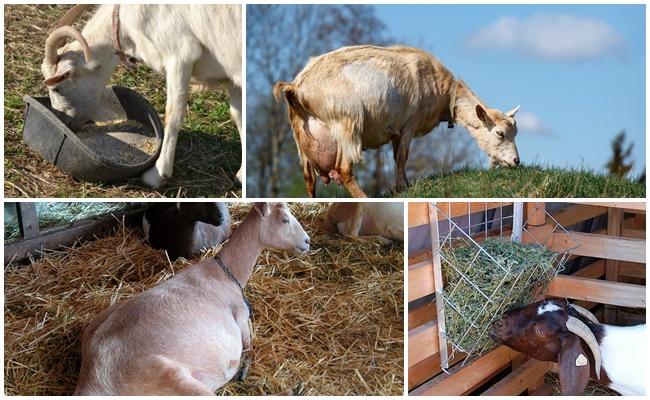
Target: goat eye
(285, 220)
(539, 332)
(500, 133)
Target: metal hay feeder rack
(469, 225)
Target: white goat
(190, 44)
(186, 336)
(362, 97)
(383, 222)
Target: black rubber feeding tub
(97, 154)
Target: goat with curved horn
(73, 14)
(585, 313)
(578, 327)
(57, 37)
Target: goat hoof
(243, 371)
(152, 179)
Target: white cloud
(559, 37)
(528, 123)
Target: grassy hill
(527, 181)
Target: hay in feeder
(480, 285)
(125, 142)
(331, 320)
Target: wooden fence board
(423, 342)
(420, 278)
(638, 206)
(602, 246)
(520, 379)
(593, 290)
(418, 214)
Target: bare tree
(280, 40)
(619, 164)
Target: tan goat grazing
(383, 222)
(186, 336)
(362, 97)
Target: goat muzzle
(57, 40)
(574, 325)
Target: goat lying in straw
(187, 335)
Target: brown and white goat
(554, 330)
(184, 229)
(192, 45)
(383, 221)
(362, 97)
(186, 336)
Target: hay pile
(527, 269)
(330, 320)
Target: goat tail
(281, 88)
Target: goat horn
(73, 14)
(585, 313)
(55, 40)
(578, 327)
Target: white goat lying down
(186, 336)
(554, 330)
(383, 222)
(190, 44)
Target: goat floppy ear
(58, 78)
(264, 209)
(573, 364)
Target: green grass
(525, 181)
(208, 153)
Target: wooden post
(536, 214)
(437, 281)
(517, 221)
(27, 220)
(612, 267)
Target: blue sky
(578, 71)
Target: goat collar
(452, 104)
(232, 278)
(117, 45)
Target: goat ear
(262, 208)
(57, 79)
(573, 364)
(483, 115)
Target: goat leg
(235, 115)
(310, 178)
(400, 154)
(178, 84)
(350, 182)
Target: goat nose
(516, 160)
(307, 241)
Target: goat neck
(465, 105)
(241, 251)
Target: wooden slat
(423, 342)
(424, 255)
(601, 246)
(438, 284)
(428, 368)
(27, 220)
(418, 214)
(615, 293)
(420, 277)
(575, 213)
(421, 311)
(633, 270)
(457, 209)
(637, 206)
(520, 379)
(633, 233)
(469, 377)
(614, 227)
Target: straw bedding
(329, 321)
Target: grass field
(528, 181)
(208, 152)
